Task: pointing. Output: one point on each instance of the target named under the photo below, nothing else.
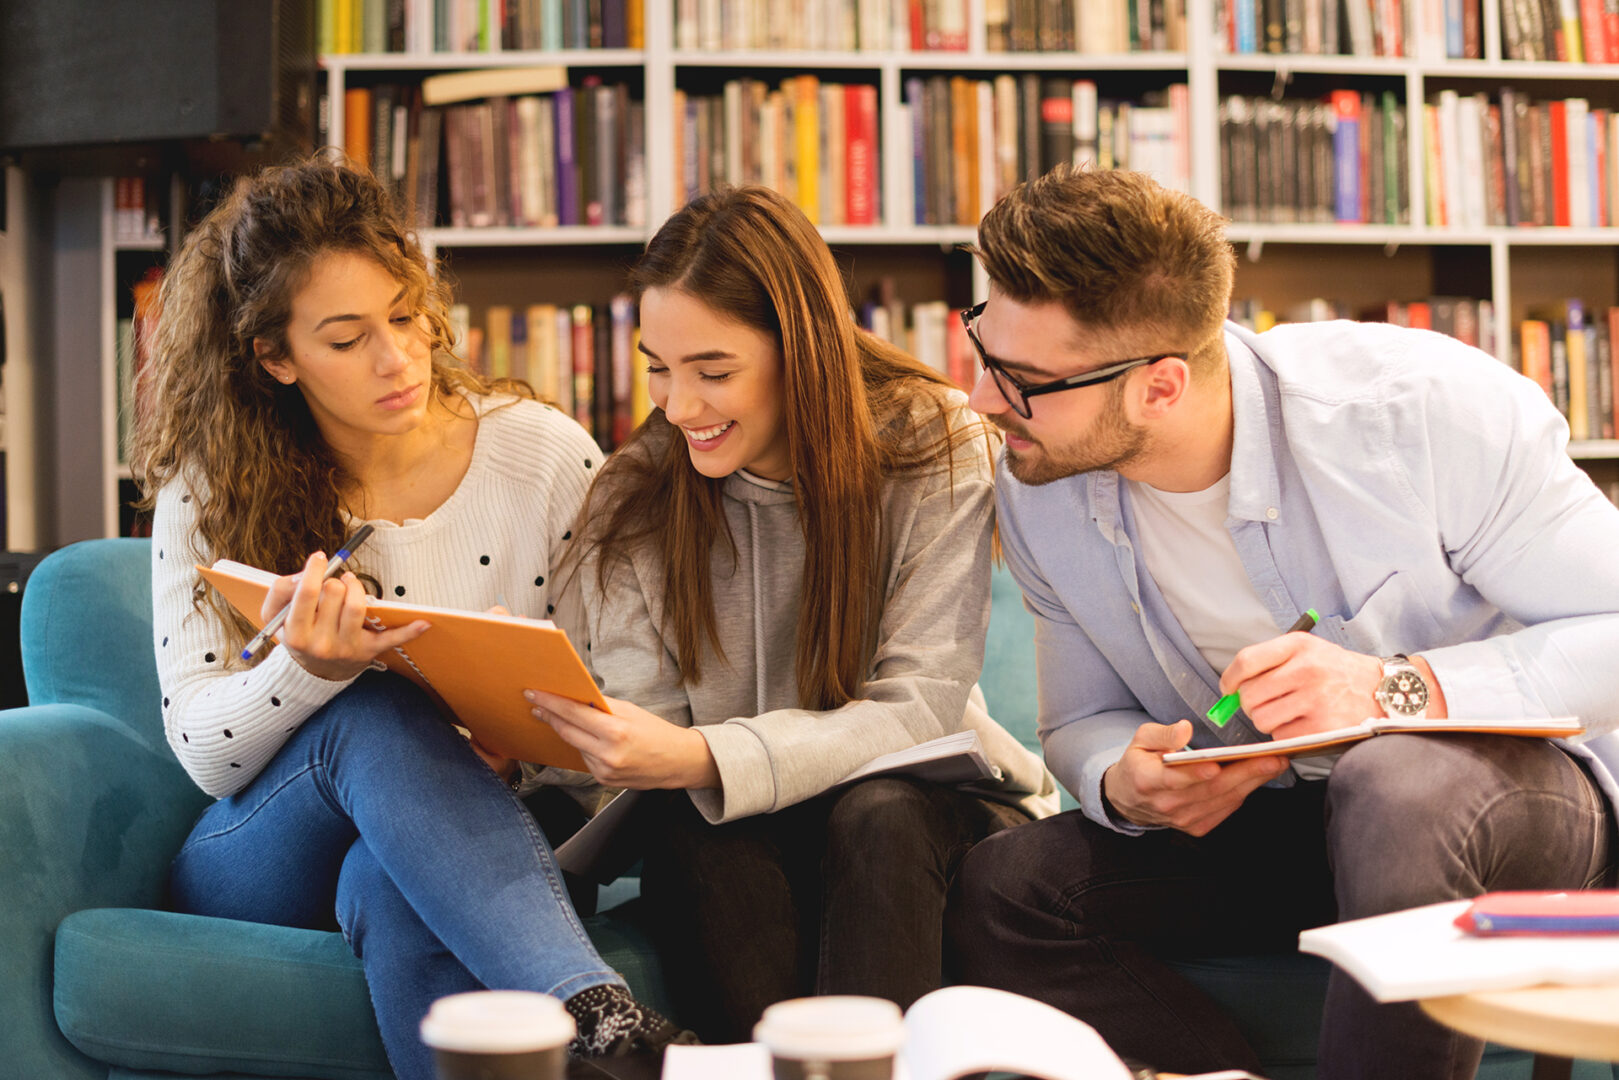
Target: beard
(1111, 443)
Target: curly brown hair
(267, 487)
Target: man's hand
(629, 747)
(325, 629)
(1300, 684)
(1192, 798)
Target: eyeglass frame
(1004, 378)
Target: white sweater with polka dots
(494, 540)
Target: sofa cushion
(71, 600)
(152, 990)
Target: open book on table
(1422, 953)
(1556, 727)
(954, 1032)
(613, 840)
(475, 665)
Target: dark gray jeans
(1077, 915)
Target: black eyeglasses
(1017, 395)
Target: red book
(1599, 169)
(1419, 315)
(1559, 126)
(918, 32)
(860, 153)
(959, 358)
(584, 366)
(1593, 31)
(1613, 357)
(1565, 911)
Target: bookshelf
(1516, 269)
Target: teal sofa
(98, 981)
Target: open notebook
(1556, 727)
(476, 665)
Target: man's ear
(1163, 385)
(271, 361)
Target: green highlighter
(1223, 710)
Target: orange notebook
(476, 665)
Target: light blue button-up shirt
(1414, 491)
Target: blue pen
(333, 568)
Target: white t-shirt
(1189, 552)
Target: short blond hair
(1121, 252)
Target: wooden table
(1558, 1023)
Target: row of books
(573, 157)
(1427, 29)
(134, 341)
(815, 142)
(1512, 161)
(931, 331)
(1342, 159)
(136, 217)
(1467, 319)
(1087, 26)
(972, 140)
(581, 358)
(1569, 352)
(1577, 31)
(457, 26)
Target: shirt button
(1271, 513)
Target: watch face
(1404, 692)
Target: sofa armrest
(89, 817)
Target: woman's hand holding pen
(1191, 798)
(630, 747)
(325, 627)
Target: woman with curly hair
(786, 573)
(302, 384)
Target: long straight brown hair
(854, 408)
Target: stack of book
(814, 142)
(453, 26)
(1427, 29)
(972, 140)
(931, 331)
(1342, 159)
(1586, 31)
(572, 157)
(1086, 26)
(1470, 321)
(1569, 352)
(582, 358)
(1516, 162)
(136, 218)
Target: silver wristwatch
(1402, 692)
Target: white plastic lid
(834, 1028)
(497, 1022)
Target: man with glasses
(1174, 493)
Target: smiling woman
(786, 574)
(302, 385)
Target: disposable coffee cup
(832, 1038)
(499, 1035)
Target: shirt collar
(1255, 432)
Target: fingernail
(531, 696)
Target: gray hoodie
(928, 652)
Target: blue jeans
(441, 879)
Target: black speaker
(91, 72)
(14, 569)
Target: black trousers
(842, 894)
(1082, 917)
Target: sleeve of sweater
(225, 720)
(929, 652)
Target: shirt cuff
(747, 780)
(1090, 798)
(1481, 682)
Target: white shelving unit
(1203, 66)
